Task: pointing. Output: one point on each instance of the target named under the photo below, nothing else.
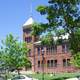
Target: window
(68, 62)
(48, 63)
(65, 48)
(28, 39)
(38, 63)
(64, 62)
(51, 63)
(48, 49)
(42, 48)
(55, 63)
(52, 49)
(55, 48)
(38, 50)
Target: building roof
(29, 22)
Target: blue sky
(14, 13)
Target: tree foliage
(47, 40)
(59, 32)
(74, 41)
(76, 60)
(14, 53)
(64, 14)
(38, 28)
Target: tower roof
(29, 22)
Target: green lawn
(61, 76)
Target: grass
(60, 76)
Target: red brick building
(56, 58)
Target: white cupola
(28, 23)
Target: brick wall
(56, 54)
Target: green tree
(36, 29)
(59, 33)
(47, 40)
(14, 53)
(76, 60)
(63, 14)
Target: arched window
(38, 63)
(28, 39)
(64, 62)
(68, 62)
(48, 63)
(52, 63)
(65, 48)
(55, 63)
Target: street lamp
(43, 64)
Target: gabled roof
(30, 21)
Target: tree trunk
(18, 71)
